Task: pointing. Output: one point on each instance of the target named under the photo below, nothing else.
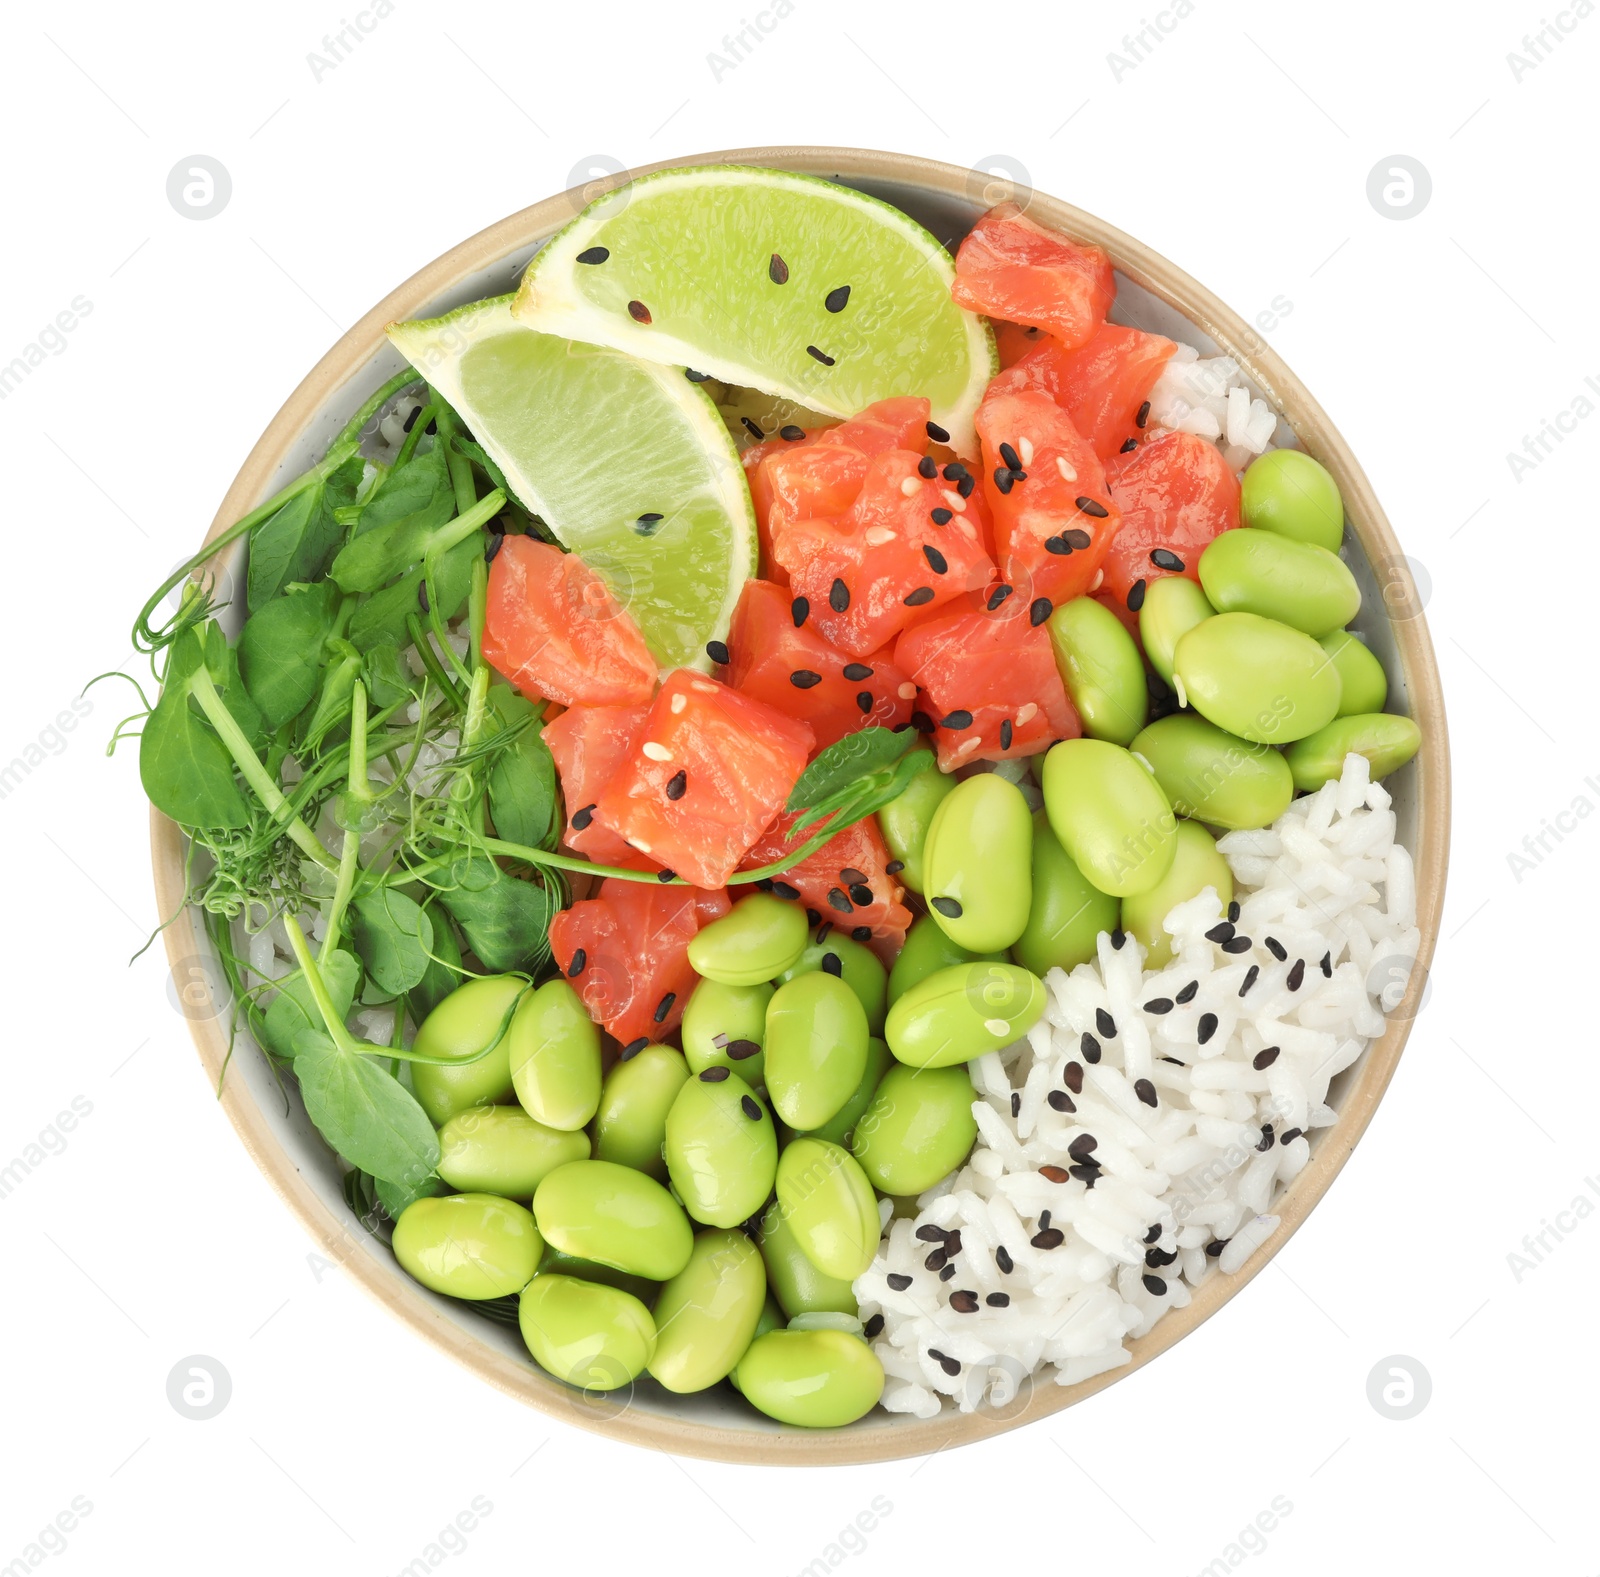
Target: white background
(1239, 146)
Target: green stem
(471, 730)
(415, 436)
(430, 661)
(337, 1033)
(477, 610)
(360, 796)
(251, 769)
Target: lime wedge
(784, 283)
(627, 462)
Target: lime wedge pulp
(627, 462)
(786, 283)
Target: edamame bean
(978, 862)
(468, 1245)
(1100, 665)
(918, 1128)
(926, 949)
(1068, 912)
(721, 1148)
(1363, 685)
(961, 1012)
(855, 964)
(1286, 491)
(1196, 867)
(592, 1336)
(816, 1048)
(1387, 741)
(631, 1124)
(832, 1210)
(1297, 583)
(473, 1016)
(796, 1283)
(1214, 776)
(818, 1379)
(707, 1314)
(839, 1127)
(561, 1264)
(1110, 814)
(1256, 678)
(555, 1056)
(502, 1150)
(1173, 605)
(904, 822)
(759, 938)
(601, 1211)
(772, 1317)
(726, 1027)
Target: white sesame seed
(955, 501)
(1067, 473)
(910, 486)
(704, 686)
(1025, 449)
(643, 848)
(998, 1026)
(967, 746)
(908, 691)
(1182, 694)
(967, 529)
(656, 752)
(877, 535)
(1027, 712)
(679, 701)
(1098, 581)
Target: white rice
(1208, 396)
(1185, 1187)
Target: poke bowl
(1220, 1121)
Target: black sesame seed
(873, 1327)
(740, 1049)
(898, 1283)
(714, 1075)
(1297, 976)
(956, 472)
(861, 933)
(594, 254)
(422, 594)
(1165, 558)
(1003, 479)
(838, 596)
(1136, 596)
(822, 356)
(1220, 932)
(1057, 545)
(1267, 1139)
(964, 1301)
(929, 1234)
(936, 560)
(1044, 1218)
(940, 517)
(1154, 1234)
(1128, 446)
(1276, 948)
(861, 894)
(752, 428)
(1090, 1047)
(894, 867)
(1155, 1286)
(951, 1366)
(960, 718)
(432, 429)
(1118, 937)
(799, 611)
(1002, 1258)
(777, 270)
(927, 468)
(835, 300)
(1237, 944)
(785, 890)
(824, 931)
(1176, 1062)
(750, 1107)
(805, 678)
(664, 1007)
(639, 312)
(677, 784)
(634, 1047)
(857, 672)
(1077, 538)
(948, 907)
(579, 958)
(937, 433)
(1060, 1101)
(695, 377)
(1092, 508)
(837, 899)
(1104, 1022)
(1010, 456)
(1145, 1090)
(1005, 733)
(965, 486)
(411, 420)
(864, 701)
(1233, 910)
(937, 1260)
(1215, 1248)
(1143, 415)
(998, 1300)
(812, 917)
(1039, 610)
(832, 965)
(1188, 992)
(718, 652)
(997, 596)
(492, 549)
(1158, 1258)
(1083, 1146)
(1326, 965)
(1072, 1075)
(1251, 976)
(1016, 1104)
(1050, 1237)
(1289, 1135)
(1264, 1058)
(1158, 1005)
(1206, 1028)
(915, 599)
(922, 722)
(666, 876)
(582, 817)
(792, 433)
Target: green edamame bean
(1363, 685)
(832, 1210)
(590, 1335)
(726, 1027)
(502, 1150)
(926, 949)
(1214, 776)
(1286, 491)
(631, 1124)
(816, 1048)
(1297, 583)
(555, 1056)
(560, 1264)
(707, 1314)
(918, 1129)
(839, 1127)
(1387, 740)
(817, 1379)
(1256, 678)
(772, 1317)
(855, 964)
(601, 1211)
(978, 863)
(1100, 665)
(721, 1148)
(759, 938)
(904, 822)
(1068, 912)
(1110, 814)
(796, 1283)
(473, 1016)
(1173, 605)
(468, 1245)
(1196, 867)
(961, 1012)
